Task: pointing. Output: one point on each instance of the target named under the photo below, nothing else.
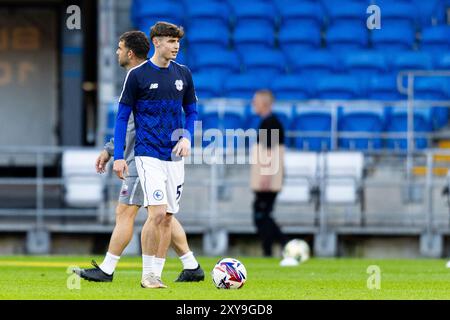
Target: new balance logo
(153, 86)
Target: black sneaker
(191, 275)
(94, 274)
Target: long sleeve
(120, 130)
(191, 115)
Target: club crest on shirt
(179, 85)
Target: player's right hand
(120, 167)
(102, 160)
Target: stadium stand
(300, 43)
(336, 88)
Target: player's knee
(167, 221)
(124, 212)
(158, 216)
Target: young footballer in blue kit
(157, 91)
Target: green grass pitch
(47, 278)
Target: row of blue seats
(234, 12)
(314, 128)
(314, 61)
(305, 86)
(434, 117)
(338, 37)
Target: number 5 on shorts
(179, 191)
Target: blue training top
(156, 96)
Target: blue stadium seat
(436, 39)
(439, 117)
(254, 12)
(252, 121)
(312, 122)
(265, 62)
(399, 123)
(339, 87)
(243, 85)
(442, 61)
(202, 39)
(432, 12)
(365, 63)
(206, 13)
(250, 37)
(393, 38)
(207, 85)
(147, 14)
(227, 120)
(316, 63)
(384, 87)
(396, 13)
(292, 87)
(345, 36)
(346, 11)
(367, 121)
(300, 13)
(412, 60)
(222, 122)
(431, 88)
(216, 61)
(434, 88)
(293, 37)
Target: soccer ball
(229, 273)
(295, 252)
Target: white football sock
(158, 266)
(147, 264)
(109, 263)
(189, 261)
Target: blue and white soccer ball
(229, 273)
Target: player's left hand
(182, 147)
(120, 168)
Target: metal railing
(214, 215)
